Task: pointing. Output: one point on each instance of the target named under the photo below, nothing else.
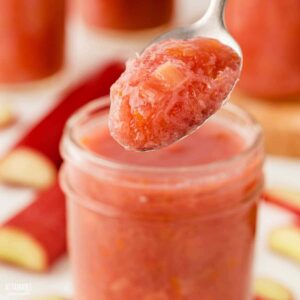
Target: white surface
(84, 50)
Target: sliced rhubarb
(286, 241)
(7, 116)
(27, 167)
(285, 197)
(35, 237)
(268, 289)
(170, 90)
(43, 139)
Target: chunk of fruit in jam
(170, 90)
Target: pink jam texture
(213, 142)
(170, 90)
(142, 236)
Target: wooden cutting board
(280, 121)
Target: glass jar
(157, 232)
(126, 14)
(31, 39)
(269, 34)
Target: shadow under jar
(31, 39)
(126, 14)
(178, 223)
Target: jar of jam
(177, 223)
(126, 14)
(269, 34)
(31, 39)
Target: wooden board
(280, 121)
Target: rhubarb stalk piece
(28, 167)
(284, 197)
(6, 116)
(33, 160)
(268, 289)
(35, 237)
(286, 241)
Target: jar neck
(203, 189)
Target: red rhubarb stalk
(36, 164)
(35, 237)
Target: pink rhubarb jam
(173, 224)
(170, 90)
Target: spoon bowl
(170, 90)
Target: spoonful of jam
(175, 84)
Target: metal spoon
(211, 25)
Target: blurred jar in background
(31, 39)
(126, 14)
(269, 34)
(72, 7)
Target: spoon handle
(214, 14)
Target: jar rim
(70, 143)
